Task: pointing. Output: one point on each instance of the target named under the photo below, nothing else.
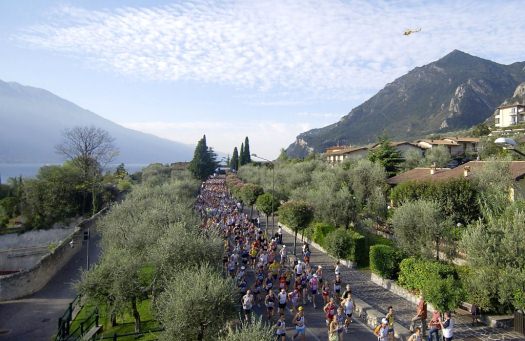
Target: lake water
(29, 170)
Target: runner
(341, 318)
(282, 298)
(390, 317)
(330, 310)
(293, 297)
(333, 333)
(269, 302)
(283, 253)
(326, 292)
(348, 306)
(247, 304)
(281, 328)
(337, 286)
(313, 284)
(300, 327)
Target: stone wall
(31, 280)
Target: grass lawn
(126, 323)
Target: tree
(339, 243)
(413, 159)
(121, 172)
(247, 155)
(491, 248)
(242, 156)
(297, 215)
(249, 195)
(234, 162)
(196, 304)
(387, 156)
(204, 161)
(438, 156)
(481, 129)
(89, 149)
(250, 331)
(268, 204)
(420, 228)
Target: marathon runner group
(267, 274)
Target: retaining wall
(26, 282)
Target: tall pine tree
(204, 161)
(247, 155)
(242, 159)
(234, 162)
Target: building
(339, 154)
(509, 115)
(403, 147)
(517, 171)
(456, 145)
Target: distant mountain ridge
(454, 92)
(32, 121)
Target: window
(497, 120)
(513, 110)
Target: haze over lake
(29, 170)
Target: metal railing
(64, 321)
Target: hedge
(384, 260)
(414, 272)
(320, 231)
(438, 281)
(347, 244)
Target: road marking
(308, 331)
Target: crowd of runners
(269, 276)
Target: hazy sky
(266, 69)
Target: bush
(414, 272)
(320, 231)
(439, 282)
(339, 243)
(384, 260)
(359, 250)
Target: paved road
(316, 329)
(35, 317)
(380, 298)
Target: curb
(363, 310)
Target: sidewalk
(380, 298)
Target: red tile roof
(517, 170)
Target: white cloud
(266, 137)
(327, 49)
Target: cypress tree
(247, 155)
(204, 161)
(242, 159)
(234, 162)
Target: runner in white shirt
(282, 298)
(247, 304)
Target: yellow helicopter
(409, 31)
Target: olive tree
(297, 215)
(249, 194)
(196, 304)
(268, 204)
(420, 228)
(255, 329)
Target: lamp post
(508, 143)
(273, 189)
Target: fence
(519, 322)
(64, 321)
(116, 337)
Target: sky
(267, 69)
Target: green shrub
(360, 249)
(438, 281)
(339, 243)
(384, 260)
(320, 231)
(413, 272)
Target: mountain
(32, 121)
(518, 97)
(454, 92)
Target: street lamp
(508, 143)
(273, 189)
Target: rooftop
(517, 170)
